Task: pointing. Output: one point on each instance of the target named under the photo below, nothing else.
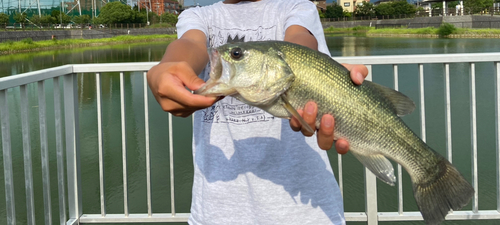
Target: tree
(384, 9)
(153, 17)
(35, 19)
(4, 18)
(115, 12)
(60, 17)
(452, 4)
(20, 17)
(477, 6)
(437, 5)
(365, 9)
(169, 18)
(346, 13)
(47, 19)
(334, 11)
(139, 17)
(322, 15)
(83, 19)
(403, 8)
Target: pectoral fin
(379, 165)
(294, 112)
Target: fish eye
(236, 53)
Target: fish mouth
(217, 84)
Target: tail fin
(446, 191)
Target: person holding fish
(251, 167)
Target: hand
(168, 82)
(326, 129)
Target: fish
(281, 77)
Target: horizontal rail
(30, 77)
(112, 67)
(456, 215)
(350, 216)
(421, 59)
(134, 218)
(35, 76)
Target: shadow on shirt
(300, 169)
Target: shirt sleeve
(305, 14)
(191, 19)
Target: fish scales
(281, 78)
(334, 95)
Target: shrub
(27, 41)
(446, 29)
(360, 28)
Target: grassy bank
(27, 45)
(357, 29)
(443, 31)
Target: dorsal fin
(402, 104)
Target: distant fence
(75, 32)
(435, 13)
(475, 24)
(369, 18)
(32, 26)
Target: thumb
(189, 77)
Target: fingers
(358, 72)
(168, 82)
(325, 132)
(326, 136)
(342, 146)
(309, 115)
(189, 77)
(176, 92)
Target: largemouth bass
(281, 77)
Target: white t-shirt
(250, 167)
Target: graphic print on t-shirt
(219, 36)
(230, 110)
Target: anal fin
(379, 165)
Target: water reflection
(25, 62)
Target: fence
(475, 24)
(76, 33)
(425, 13)
(73, 26)
(68, 127)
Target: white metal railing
(71, 129)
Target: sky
(209, 2)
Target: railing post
(72, 147)
(497, 128)
(371, 197)
(371, 208)
(10, 207)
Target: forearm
(300, 35)
(190, 49)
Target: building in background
(350, 5)
(320, 5)
(161, 6)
